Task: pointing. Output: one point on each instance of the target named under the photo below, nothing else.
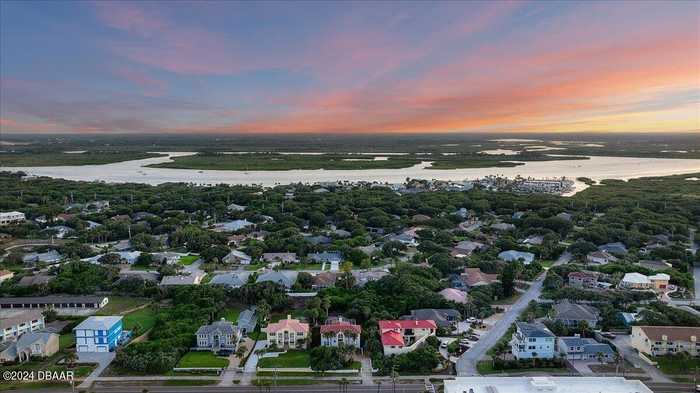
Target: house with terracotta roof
(288, 332)
(403, 336)
(339, 331)
(474, 277)
(324, 280)
(6, 275)
(664, 340)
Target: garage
(82, 348)
(101, 348)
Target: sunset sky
(226, 67)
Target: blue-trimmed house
(98, 334)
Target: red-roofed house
(402, 336)
(287, 333)
(339, 331)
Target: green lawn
(144, 319)
(303, 266)
(254, 266)
(486, 367)
(188, 259)
(202, 359)
(66, 341)
(546, 264)
(231, 314)
(119, 304)
(258, 335)
(289, 359)
(677, 364)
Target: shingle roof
(222, 327)
(99, 323)
(533, 330)
(673, 333)
(407, 324)
(573, 311)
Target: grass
(231, 314)
(258, 335)
(56, 158)
(289, 359)
(119, 304)
(546, 264)
(187, 259)
(202, 359)
(254, 266)
(19, 386)
(144, 319)
(486, 367)
(66, 341)
(677, 365)
(303, 266)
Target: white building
(14, 323)
(664, 340)
(513, 255)
(532, 341)
(402, 336)
(7, 218)
(544, 385)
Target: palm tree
(326, 304)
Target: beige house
(287, 333)
(29, 345)
(665, 340)
(657, 282)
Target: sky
(349, 67)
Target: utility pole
(394, 374)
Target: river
(596, 168)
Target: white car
(443, 345)
(471, 319)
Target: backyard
(188, 259)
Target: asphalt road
(384, 388)
(670, 387)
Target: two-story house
(288, 332)
(577, 348)
(29, 345)
(219, 335)
(338, 331)
(532, 340)
(666, 340)
(402, 336)
(98, 334)
(14, 323)
(583, 280)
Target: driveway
(251, 365)
(622, 342)
(103, 359)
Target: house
(474, 277)
(454, 295)
(658, 281)
(288, 332)
(577, 348)
(583, 280)
(14, 323)
(280, 257)
(191, 279)
(14, 217)
(565, 216)
(6, 275)
(327, 257)
(339, 331)
(544, 384)
(232, 226)
(37, 279)
(654, 265)
(284, 278)
(219, 335)
(231, 280)
(443, 317)
(247, 320)
(98, 334)
(502, 227)
(614, 248)
(121, 218)
(29, 345)
(664, 340)
(318, 239)
(341, 233)
(403, 336)
(573, 314)
(533, 240)
(600, 258)
(513, 255)
(60, 231)
(420, 218)
(363, 277)
(324, 280)
(466, 248)
(236, 257)
(235, 208)
(404, 238)
(48, 257)
(167, 257)
(518, 215)
(532, 340)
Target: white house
(338, 331)
(7, 218)
(532, 340)
(237, 257)
(14, 323)
(98, 334)
(545, 384)
(513, 255)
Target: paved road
(466, 365)
(330, 388)
(102, 359)
(622, 342)
(670, 387)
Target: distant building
(474, 277)
(614, 248)
(338, 331)
(544, 384)
(658, 281)
(287, 333)
(235, 208)
(583, 280)
(532, 340)
(37, 279)
(664, 340)
(247, 320)
(98, 334)
(327, 256)
(324, 280)
(64, 305)
(14, 323)
(573, 314)
(284, 278)
(231, 280)
(6, 275)
(218, 335)
(14, 217)
(232, 226)
(171, 281)
(466, 248)
(503, 227)
(402, 336)
(48, 257)
(454, 295)
(236, 257)
(513, 255)
(280, 257)
(600, 258)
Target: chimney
(693, 339)
(289, 316)
(577, 335)
(664, 337)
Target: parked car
(471, 319)
(443, 344)
(609, 335)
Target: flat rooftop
(544, 385)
